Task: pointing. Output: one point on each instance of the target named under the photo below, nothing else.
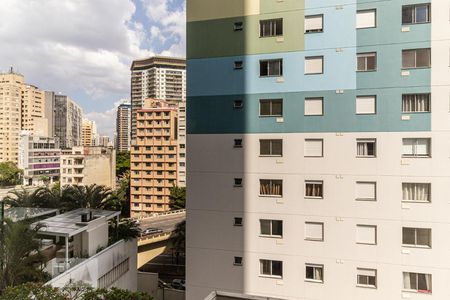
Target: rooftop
(22, 213)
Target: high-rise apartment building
(319, 141)
(89, 133)
(157, 77)
(153, 168)
(21, 108)
(123, 127)
(181, 128)
(67, 122)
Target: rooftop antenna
(11, 70)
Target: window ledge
(366, 71)
(270, 276)
(270, 116)
(311, 197)
(314, 240)
(416, 246)
(415, 156)
(366, 156)
(415, 68)
(271, 196)
(366, 199)
(270, 155)
(416, 201)
(374, 287)
(313, 280)
(279, 237)
(417, 291)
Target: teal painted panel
(215, 114)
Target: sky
(84, 48)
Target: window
(367, 62)
(270, 187)
(366, 18)
(237, 221)
(313, 23)
(237, 261)
(314, 272)
(366, 234)
(366, 105)
(313, 106)
(416, 58)
(416, 103)
(272, 67)
(313, 65)
(366, 147)
(271, 107)
(238, 26)
(268, 28)
(239, 64)
(313, 189)
(238, 182)
(272, 228)
(416, 147)
(417, 192)
(313, 148)
(416, 237)
(271, 147)
(237, 143)
(314, 231)
(273, 268)
(418, 282)
(366, 277)
(416, 14)
(366, 191)
(238, 104)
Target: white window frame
(375, 234)
(311, 140)
(271, 187)
(362, 98)
(316, 57)
(430, 278)
(416, 245)
(360, 274)
(314, 239)
(414, 13)
(261, 274)
(414, 154)
(369, 140)
(314, 30)
(271, 107)
(315, 266)
(271, 141)
(268, 61)
(411, 184)
(315, 99)
(415, 58)
(365, 56)
(365, 11)
(375, 191)
(314, 182)
(415, 103)
(271, 234)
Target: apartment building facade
(89, 135)
(153, 168)
(39, 158)
(123, 127)
(68, 118)
(318, 137)
(156, 77)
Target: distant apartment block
(181, 128)
(158, 77)
(153, 158)
(123, 127)
(67, 122)
(84, 165)
(319, 145)
(21, 108)
(39, 158)
(89, 133)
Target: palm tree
(27, 198)
(20, 256)
(91, 196)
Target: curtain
(362, 149)
(416, 191)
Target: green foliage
(10, 174)
(73, 291)
(20, 255)
(122, 194)
(179, 242)
(125, 230)
(122, 163)
(177, 197)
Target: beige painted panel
(200, 10)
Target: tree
(177, 197)
(122, 163)
(179, 241)
(126, 230)
(72, 291)
(40, 197)
(122, 194)
(10, 174)
(91, 196)
(20, 256)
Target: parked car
(151, 230)
(179, 284)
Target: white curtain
(416, 191)
(407, 281)
(416, 103)
(362, 149)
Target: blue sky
(84, 48)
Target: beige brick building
(154, 159)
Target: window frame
(415, 100)
(417, 201)
(415, 155)
(375, 25)
(314, 266)
(376, 234)
(415, 59)
(358, 284)
(238, 221)
(271, 225)
(238, 104)
(268, 61)
(314, 139)
(375, 189)
(271, 141)
(310, 99)
(237, 182)
(315, 57)
(417, 283)
(367, 140)
(366, 96)
(271, 275)
(271, 188)
(314, 182)
(273, 27)
(416, 245)
(238, 26)
(414, 13)
(312, 239)
(238, 65)
(271, 101)
(315, 30)
(358, 55)
(237, 261)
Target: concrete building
(157, 77)
(67, 122)
(49, 112)
(88, 165)
(153, 158)
(181, 128)
(319, 141)
(123, 127)
(39, 158)
(104, 141)
(21, 108)
(89, 133)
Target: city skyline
(74, 59)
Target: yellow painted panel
(200, 10)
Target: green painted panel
(270, 6)
(217, 38)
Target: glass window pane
(263, 68)
(277, 268)
(361, 63)
(409, 236)
(277, 227)
(371, 62)
(279, 27)
(309, 272)
(277, 107)
(265, 227)
(277, 147)
(264, 146)
(264, 108)
(423, 282)
(407, 14)
(422, 14)
(265, 266)
(424, 237)
(423, 58)
(408, 59)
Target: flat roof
(22, 213)
(69, 223)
